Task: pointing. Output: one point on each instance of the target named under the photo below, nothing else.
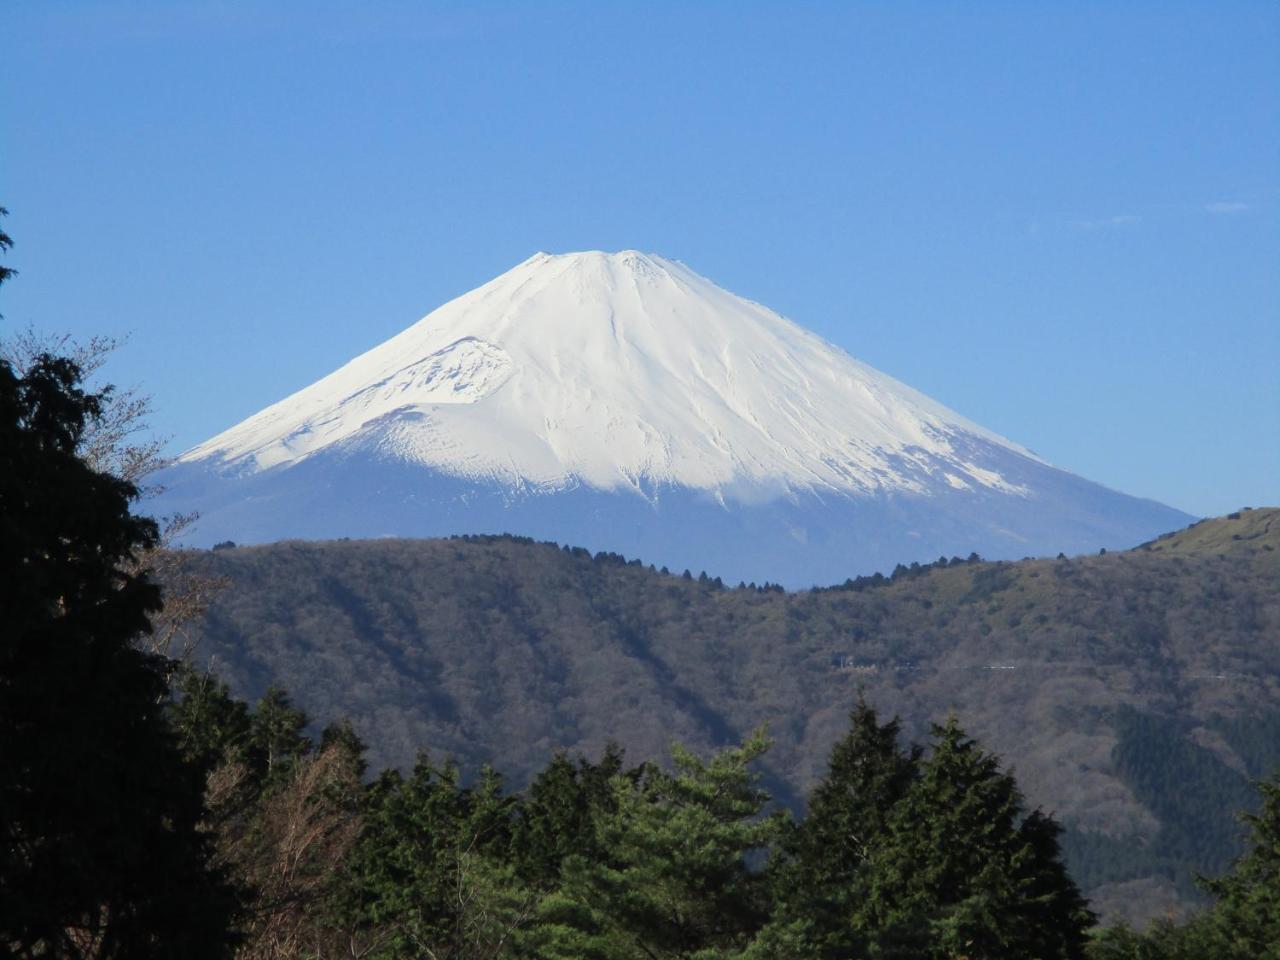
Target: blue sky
(1061, 219)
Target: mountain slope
(499, 650)
(620, 372)
(624, 402)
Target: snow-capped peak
(620, 371)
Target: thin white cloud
(1122, 220)
(1226, 206)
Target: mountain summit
(625, 402)
(620, 372)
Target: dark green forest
(1134, 693)
(906, 852)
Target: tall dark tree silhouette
(101, 853)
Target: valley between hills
(1133, 693)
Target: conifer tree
(430, 875)
(212, 726)
(964, 872)
(825, 875)
(276, 735)
(101, 848)
(343, 737)
(676, 880)
(1245, 920)
(554, 818)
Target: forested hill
(1134, 693)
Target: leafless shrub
(292, 853)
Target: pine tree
(276, 735)
(431, 873)
(676, 880)
(825, 874)
(555, 816)
(964, 872)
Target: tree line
(904, 852)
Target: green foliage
(1185, 785)
(276, 735)
(676, 879)
(913, 857)
(903, 854)
(964, 871)
(1095, 858)
(826, 876)
(1246, 917)
(1189, 788)
(556, 815)
(1244, 921)
(431, 865)
(1254, 739)
(1164, 941)
(212, 726)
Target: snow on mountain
(619, 371)
(622, 402)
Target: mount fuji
(624, 403)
